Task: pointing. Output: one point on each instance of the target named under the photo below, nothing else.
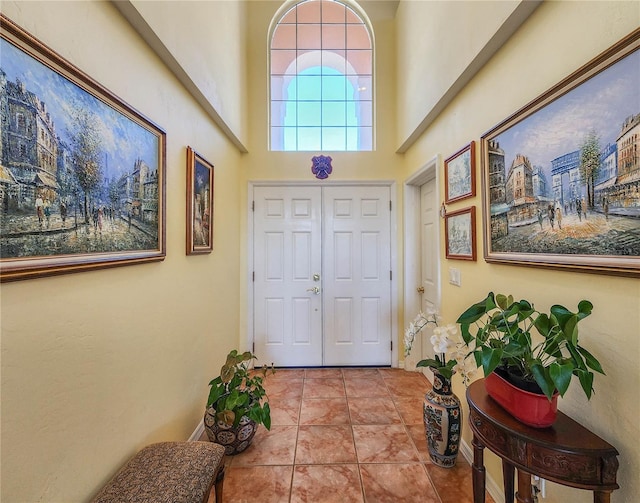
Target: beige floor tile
(326, 484)
(383, 444)
(270, 447)
(324, 411)
(373, 411)
(393, 483)
(266, 484)
(323, 388)
(323, 374)
(325, 445)
(362, 387)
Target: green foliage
(499, 331)
(238, 391)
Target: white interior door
(287, 255)
(322, 253)
(429, 255)
(357, 276)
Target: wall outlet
(454, 276)
(539, 487)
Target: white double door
(322, 275)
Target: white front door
(322, 260)
(357, 276)
(286, 256)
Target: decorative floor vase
(442, 421)
(234, 440)
(532, 409)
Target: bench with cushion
(168, 472)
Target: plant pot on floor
(532, 409)
(233, 439)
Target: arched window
(321, 78)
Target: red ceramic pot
(531, 409)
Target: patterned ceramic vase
(234, 440)
(442, 421)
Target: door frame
(412, 268)
(249, 336)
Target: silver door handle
(315, 290)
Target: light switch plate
(454, 276)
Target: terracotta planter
(532, 409)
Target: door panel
(287, 254)
(357, 284)
(429, 253)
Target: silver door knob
(315, 290)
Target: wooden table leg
(524, 494)
(478, 471)
(507, 479)
(601, 496)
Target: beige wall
(440, 46)
(96, 365)
(196, 35)
(556, 39)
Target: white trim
(197, 433)
(393, 247)
(411, 191)
(495, 490)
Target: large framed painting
(561, 177)
(82, 174)
(199, 204)
(460, 174)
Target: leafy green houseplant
(501, 334)
(237, 403)
(237, 392)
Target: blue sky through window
(320, 112)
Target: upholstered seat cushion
(171, 472)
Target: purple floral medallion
(321, 166)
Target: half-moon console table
(566, 453)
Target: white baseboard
(495, 490)
(197, 433)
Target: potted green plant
(237, 403)
(534, 351)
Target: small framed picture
(460, 234)
(199, 204)
(460, 174)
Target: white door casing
(413, 252)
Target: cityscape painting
(81, 173)
(199, 203)
(561, 177)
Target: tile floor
(344, 435)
